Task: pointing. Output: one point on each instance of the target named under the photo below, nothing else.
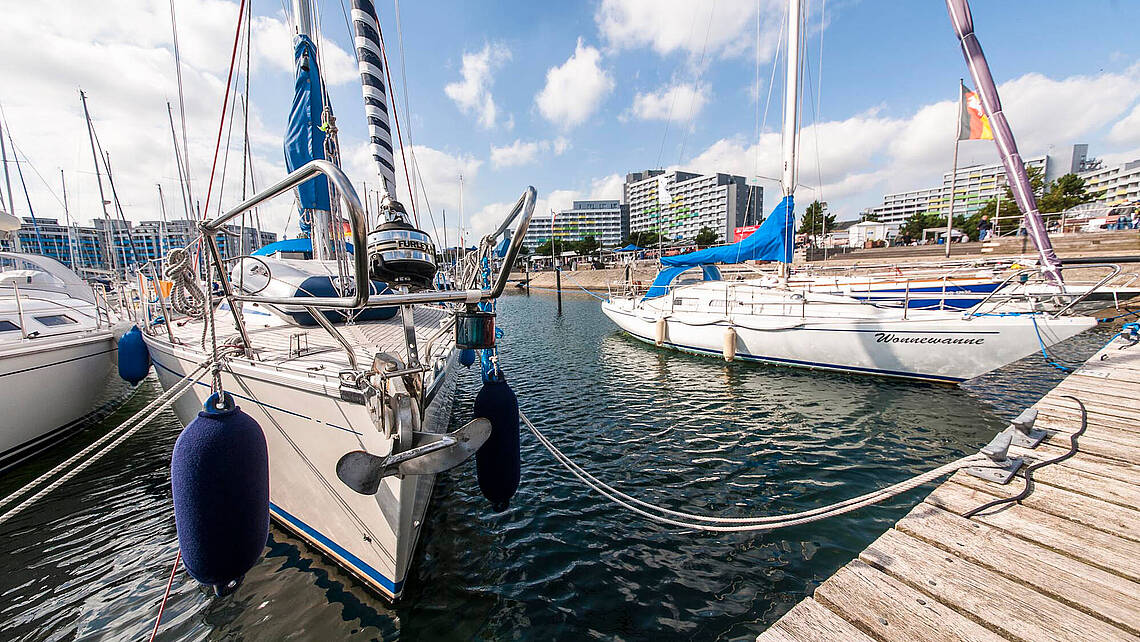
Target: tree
(815, 221)
(644, 239)
(1068, 191)
(706, 237)
(560, 246)
(588, 245)
(869, 217)
(912, 227)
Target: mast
(67, 217)
(182, 188)
(791, 115)
(306, 140)
(11, 197)
(366, 38)
(1003, 136)
(163, 243)
(183, 171)
(99, 179)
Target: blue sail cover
(304, 139)
(665, 278)
(772, 241)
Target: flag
(974, 123)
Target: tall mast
(8, 182)
(319, 233)
(182, 188)
(67, 217)
(184, 169)
(370, 61)
(791, 98)
(99, 179)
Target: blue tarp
(291, 245)
(304, 139)
(501, 248)
(630, 248)
(665, 277)
(774, 240)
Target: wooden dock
(1064, 564)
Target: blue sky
(579, 92)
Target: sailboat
(342, 350)
(768, 320)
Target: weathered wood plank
(810, 621)
(1095, 444)
(1086, 462)
(1090, 483)
(1082, 509)
(1081, 586)
(893, 611)
(1106, 551)
(1005, 606)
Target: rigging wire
(225, 103)
(696, 85)
(182, 113)
(396, 119)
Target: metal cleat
(1023, 434)
(1002, 467)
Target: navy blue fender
(219, 475)
(134, 357)
(466, 357)
(498, 462)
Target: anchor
(430, 454)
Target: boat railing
(1023, 276)
(360, 296)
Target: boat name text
(888, 337)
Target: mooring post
(558, 286)
(528, 278)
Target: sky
(565, 96)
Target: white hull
(835, 333)
(308, 428)
(48, 386)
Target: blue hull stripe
(812, 364)
(357, 564)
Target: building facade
(679, 204)
(84, 249)
(605, 220)
(973, 187)
(1114, 186)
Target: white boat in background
(57, 354)
(849, 325)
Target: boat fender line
(750, 524)
(185, 295)
(729, 344)
(660, 332)
(134, 357)
(120, 434)
(498, 462)
(1025, 492)
(219, 477)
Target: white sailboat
(350, 377)
(57, 354)
(772, 321)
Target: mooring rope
(122, 431)
(748, 524)
(185, 295)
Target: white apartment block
(973, 188)
(678, 204)
(1120, 184)
(605, 220)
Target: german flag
(974, 123)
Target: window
(55, 320)
(8, 326)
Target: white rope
(123, 431)
(185, 295)
(747, 524)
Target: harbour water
(692, 433)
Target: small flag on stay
(974, 124)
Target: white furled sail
(366, 39)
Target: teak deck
(1064, 564)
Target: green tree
(706, 237)
(588, 245)
(560, 246)
(869, 217)
(912, 227)
(1068, 191)
(815, 220)
(644, 239)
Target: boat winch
(398, 253)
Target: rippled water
(692, 433)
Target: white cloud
(273, 44)
(473, 93)
(575, 89)
(682, 102)
(524, 152)
(607, 187)
(862, 157)
(726, 28)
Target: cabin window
(52, 320)
(8, 326)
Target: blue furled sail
(664, 279)
(304, 138)
(774, 240)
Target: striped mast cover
(366, 39)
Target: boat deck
(278, 344)
(1063, 564)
